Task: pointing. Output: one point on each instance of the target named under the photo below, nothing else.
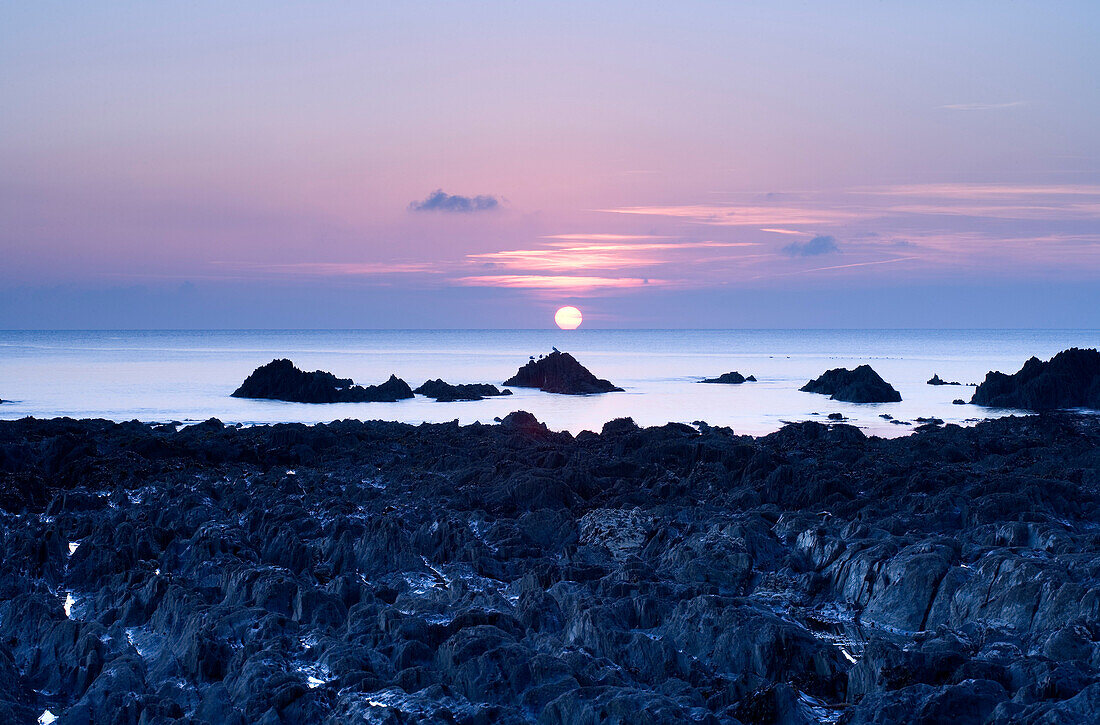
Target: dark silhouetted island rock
(958, 401)
(861, 385)
(559, 372)
(378, 572)
(937, 380)
(732, 378)
(446, 393)
(1070, 379)
(280, 380)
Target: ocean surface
(188, 376)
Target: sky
(480, 164)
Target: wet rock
(383, 572)
(445, 392)
(937, 380)
(731, 378)
(1070, 379)
(860, 385)
(559, 372)
(281, 380)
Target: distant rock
(1070, 379)
(958, 401)
(836, 416)
(447, 393)
(733, 378)
(280, 380)
(861, 385)
(559, 372)
(937, 380)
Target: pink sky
(625, 155)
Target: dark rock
(958, 401)
(445, 392)
(1070, 379)
(731, 378)
(280, 380)
(523, 422)
(559, 372)
(861, 385)
(382, 572)
(836, 416)
(937, 380)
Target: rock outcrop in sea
(382, 572)
(937, 380)
(445, 392)
(1070, 379)
(731, 378)
(559, 372)
(860, 385)
(281, 380)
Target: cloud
(775, 230)
(439, 200)
(733, 215)
(605, 237)
(577, 256)
(554, 282)
(983, 106)
(817, 246)
(837, 266)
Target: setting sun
(568, 318)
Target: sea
(188, 375)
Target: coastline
(516, 574)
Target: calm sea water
(189, 375)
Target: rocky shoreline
(381, 572)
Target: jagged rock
(377, 571)
(1070, 379)
(445, 392)
(731, 378)
(861, 385)
(937, 380)
(281, 380)
(958, 401)
(559, 372)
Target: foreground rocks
(731, 378)
(445, 392)
(280, 380)
(380, 572)
(1070, 379)
(861, 385)
(559, 372)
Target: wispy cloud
(439, 200)
(555, 282)
(335, 269)
(754, 216)
(815, 247)
(604, 237)
(836, 266)
(1068, 211)
(983, 106)
(980, 191)
(566, 256)
(786, 231)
